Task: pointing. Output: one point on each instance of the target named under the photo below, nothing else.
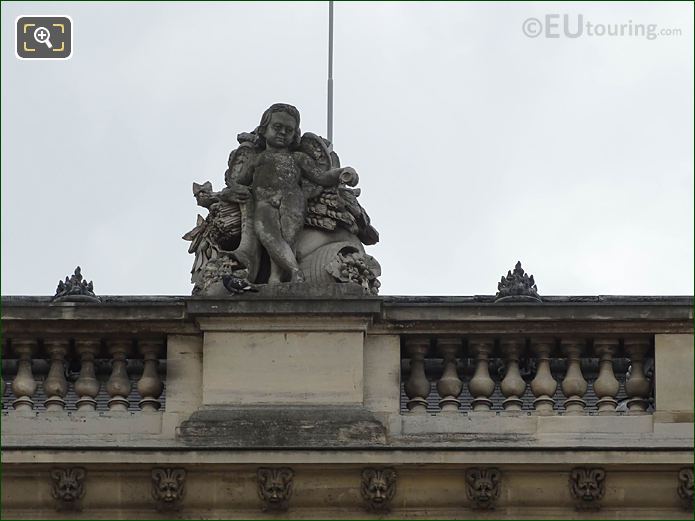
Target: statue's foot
(298, 276)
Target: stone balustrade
(60, 373)
(444, 407)
(545, 375)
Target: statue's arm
(239, 175)
(332, 177)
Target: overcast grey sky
(477, 145)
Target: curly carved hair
(265, 121)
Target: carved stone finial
(378, 488)
(587, 486)
(168, 488)
(75, 289)
(517, 286)
(275, 487)
(685, 487)
(68, 487)
(483, 487)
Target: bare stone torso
(275, 176)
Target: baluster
(481, 386)
(574, 385)
(449, 385)
(513, 385)
(24, 385)
(543, 384)
(606, 385)
(417, 388)
(150, 384)
(87, 385)
(55, 385)
(3, 383)
(118, 385)
(637, 385)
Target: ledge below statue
(290, 289)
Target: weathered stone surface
(283, 427)
(674, 356)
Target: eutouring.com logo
(575, 26)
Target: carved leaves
(68, 487)
(168, 488)
(587, 486)
(358, 268)
(275, 487)
(378, 488)
(483, 487)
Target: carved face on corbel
(68, 487)
(275, 487)
(168, 487)
(588, 486)
(378, 488)
(483, 487)
(685, 487)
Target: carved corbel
(275, 487)
(685, 487)
(483, 487)
(587, 486)
(68, 487)
(378, 488)
(168, 488)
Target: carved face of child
(280, 130)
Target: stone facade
(361, 407)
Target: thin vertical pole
(330, 72)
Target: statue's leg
(248, 253)
(275, 273)
(292, 210)
(269, 233)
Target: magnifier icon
(43, 35)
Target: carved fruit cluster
(356, 267)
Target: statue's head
(279, 126)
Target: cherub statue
(279, 184)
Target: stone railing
(454, 397)
(54, 374)
(546, 375)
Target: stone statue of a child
(275, 174)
